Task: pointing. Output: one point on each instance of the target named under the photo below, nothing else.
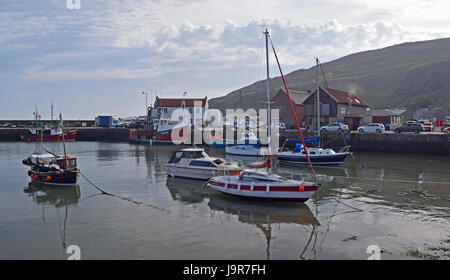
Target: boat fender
(49, 178)
(32, 176)
(301, 188)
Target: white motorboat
(197, 164)
(246, 150)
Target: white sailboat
(257, 183)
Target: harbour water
(156, 217)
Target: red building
(335, 106)
(281, 102)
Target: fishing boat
(160, 131)
(197, 164)
(256, 183)
(41, 133)
(317, 155)
(47, 135)
(48, 168)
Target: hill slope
(411, 74)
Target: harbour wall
(404, 143)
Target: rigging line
(391, 180)
(293, 110)
(332, 104)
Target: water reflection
(59, 197)
(262, 214)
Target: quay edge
(404, 143)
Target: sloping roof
(297, 96)
(176, 102)
(380, 113)
(343, 96)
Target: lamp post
(146, 105)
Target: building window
(190, 110)
(325, 109)
(281, 108)
(309, 109)
(165, 110)
(343, 110)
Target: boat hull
(297, 158)
(289, 191)
(68, 136)
(246, 150)
(67, 178)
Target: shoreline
(425, 143)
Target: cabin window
(201, 163)
(219, 161)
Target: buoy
(301, 188)
(49, 178)
(32, 176)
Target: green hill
(411, 74)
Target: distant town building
(384, 116)
(336, 106)
(281, 102)
(164, 107)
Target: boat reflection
(56, 196)
(261, 214)
(59, 197)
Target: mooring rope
(122, 197)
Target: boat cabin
(189, 154)
(312, 151)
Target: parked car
(428, 126)
(334, 127)
(410, 127)
(446, 130)
(373, 127)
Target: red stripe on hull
(272, 189)
(68, 136)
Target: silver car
(373, 127)
(334, 127)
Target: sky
(98, 59)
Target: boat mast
(64, 143)
(317, 98)
(268, 88)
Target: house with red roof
(335, 106)
(164, 107)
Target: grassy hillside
(411, 74)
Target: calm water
(167, 218)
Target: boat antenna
(266, 33)
(293, 111)
(64, 142)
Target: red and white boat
(161, 131)
(47, 135)
(262, 184)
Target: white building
(164, 107)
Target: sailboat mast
(317, 98)
(268, 89)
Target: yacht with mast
(317, 155)
(256, 183)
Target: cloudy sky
(98, 59)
